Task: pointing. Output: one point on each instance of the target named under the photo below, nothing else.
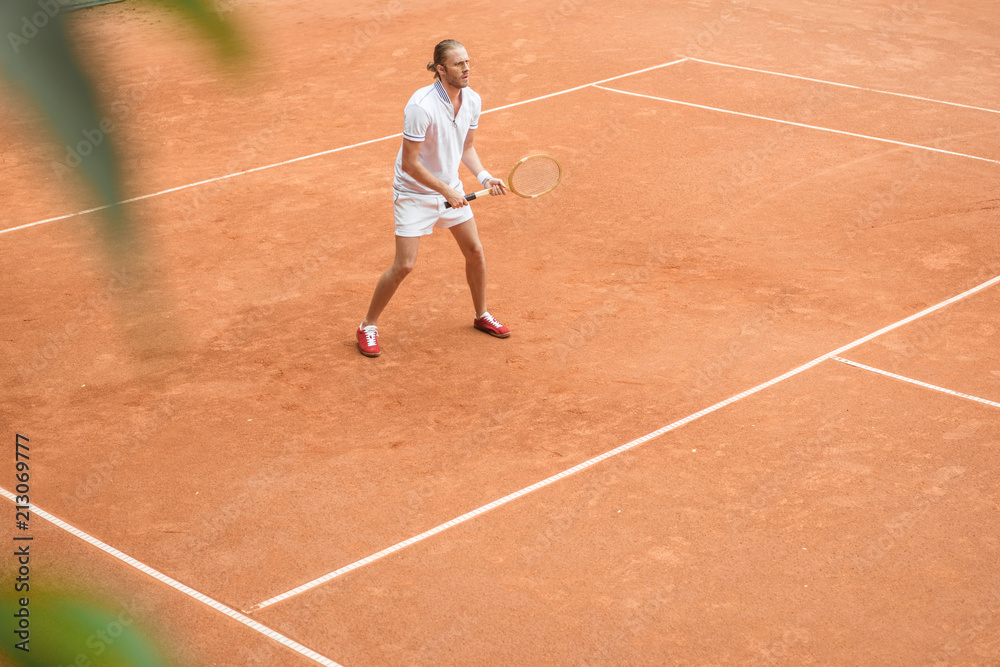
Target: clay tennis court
(767, 287)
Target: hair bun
(440, 54)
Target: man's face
(456, 68)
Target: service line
(788, 122)
(842, 85)
(925, 385)
(614, 452)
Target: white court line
(173, 583)
(587, 85)
(193, 185)
(618, 450)
(916, 382)
(321, 153)
(844, 85)
(788, 122)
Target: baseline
(788, 122)
(319, 154)
(843, 85)
(919, 383)
(173, 583)
(614, 452)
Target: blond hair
(441, 52)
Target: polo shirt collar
(442, 93)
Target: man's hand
(496, 186)
(455, 198)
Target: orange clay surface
(208, 413)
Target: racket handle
(471, 196)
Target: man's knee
(474, 253)
(403, 267)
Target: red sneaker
(368, 341)
(489, 324)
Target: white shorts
(418, 215)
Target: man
(439, 127)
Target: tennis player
(439, 127)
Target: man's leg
(475, 272)
(406, 257)
(467, 237)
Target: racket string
(535, 176)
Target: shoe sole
(495, 335)
(369, 354)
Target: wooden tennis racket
(530, 177)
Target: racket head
(534, 176)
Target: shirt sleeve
(415, 122)
(475, 114)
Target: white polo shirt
(430, 118)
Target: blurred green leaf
(207, 17)
(61, 627)
(37, 58)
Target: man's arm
(470, 158)
(421, 174)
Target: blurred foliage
(62, 628)
(39, 58)
(208, 18)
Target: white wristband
(483, 177)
